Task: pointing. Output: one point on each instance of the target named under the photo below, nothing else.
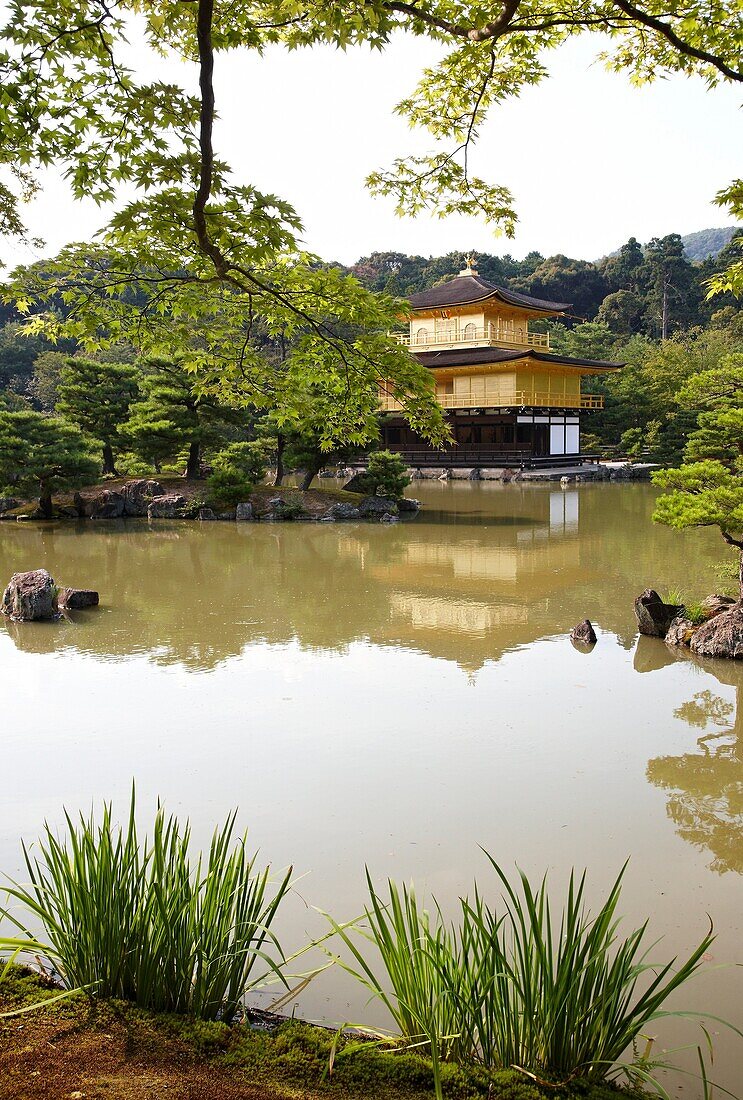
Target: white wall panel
(557, 439)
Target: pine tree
(672, 291)
(704, 494)
(43, 455)
(173, 416)
(709, 492)
(97, 397)
(623, 270)
(719, 392)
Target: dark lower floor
(491, 439)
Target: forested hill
(706, 242)
(625, 290)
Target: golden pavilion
(509, 399)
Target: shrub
(248, 458)
(227, 487)
(131, 465)
(290, 507)
(385, 476)
(236, 471)
(591, 444)
(145, 921)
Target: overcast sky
(590, 159)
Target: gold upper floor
(469, 312)
(472, 330)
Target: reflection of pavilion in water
(486, 573)
(476, 592)
(705, 800)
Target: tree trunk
(45, 504)
(109, 466)
(309, 475)
(740, 576)
(280, 445)
(664, 317)
(193, 466)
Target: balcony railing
(507, 399)
(469, 336)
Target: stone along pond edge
(177, 498)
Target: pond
(396, 696)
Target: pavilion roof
(467, 289)
(465, 357)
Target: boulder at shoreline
(654, 617)
(715, 629)
(721, 636)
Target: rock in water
(31, 597)
(721, 636)
(76, 599)
(653, 616)
(375, 507)
(244, 512)
(681, 631)
(584, 633)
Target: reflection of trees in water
(705, 709)
(705, 801)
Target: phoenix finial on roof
(469, 268)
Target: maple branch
(678, 43)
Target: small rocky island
(717, 631)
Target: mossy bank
(109, 1049)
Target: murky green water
(397, 696)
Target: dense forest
(645, 306)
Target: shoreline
(175, 497)
(80, 1047)
(179, 498)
